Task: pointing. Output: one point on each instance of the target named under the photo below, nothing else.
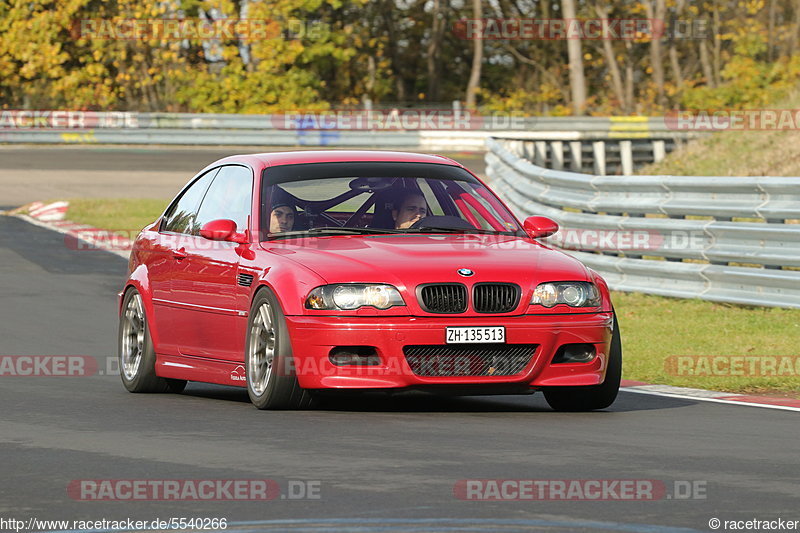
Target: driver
(282, 214)
(410, 208)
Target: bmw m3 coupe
(289, 274)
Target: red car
(294, 273)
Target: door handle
(180, 254)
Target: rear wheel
(137, 356)
(595, 396)
(271, 379)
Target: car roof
(271, 159)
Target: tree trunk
(705, 62)
(369, 85)
(629, 77)
(434, 46)
(717, 45)
(477, 60)
(771, 31)
(657, 12)
(577, 81)
(613, 66)
(794, 39)
(676, 66)
(675, 63)
(394, 52)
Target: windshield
(374, 198)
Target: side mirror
(538, 227)
(222, 230)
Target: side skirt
(202, 369)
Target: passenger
(410, 208)
(282, 214)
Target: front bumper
(313, 337)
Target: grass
(737, 153)
(125, 215)
(653, 328)
(747, 153)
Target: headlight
(571, 293)
(352, 296)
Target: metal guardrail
(583, 127)
(735, 246)
(618, 144)
(214, 137)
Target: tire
(137, 356)
(595, 396)
(269, 364)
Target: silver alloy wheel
(134, 327)
(261, 351)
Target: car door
(206, 286)
(167, 252)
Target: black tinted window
(382, 195)
(228, 197)
(182, 215)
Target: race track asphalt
(41, 173)
(382, 464)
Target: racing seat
(384, 203)
(301, 222)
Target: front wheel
(271, 380)
(137, 356)
(595, 396)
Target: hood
(409, 260)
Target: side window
(230, 196)
(181, 217)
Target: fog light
(354, 355)
(575, 353)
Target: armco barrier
(214, 137)
(735, 241)
(598, 144)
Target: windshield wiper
(346, 229)
(334, 230)
(457, 230)
(343, 230)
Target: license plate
(486, 334)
